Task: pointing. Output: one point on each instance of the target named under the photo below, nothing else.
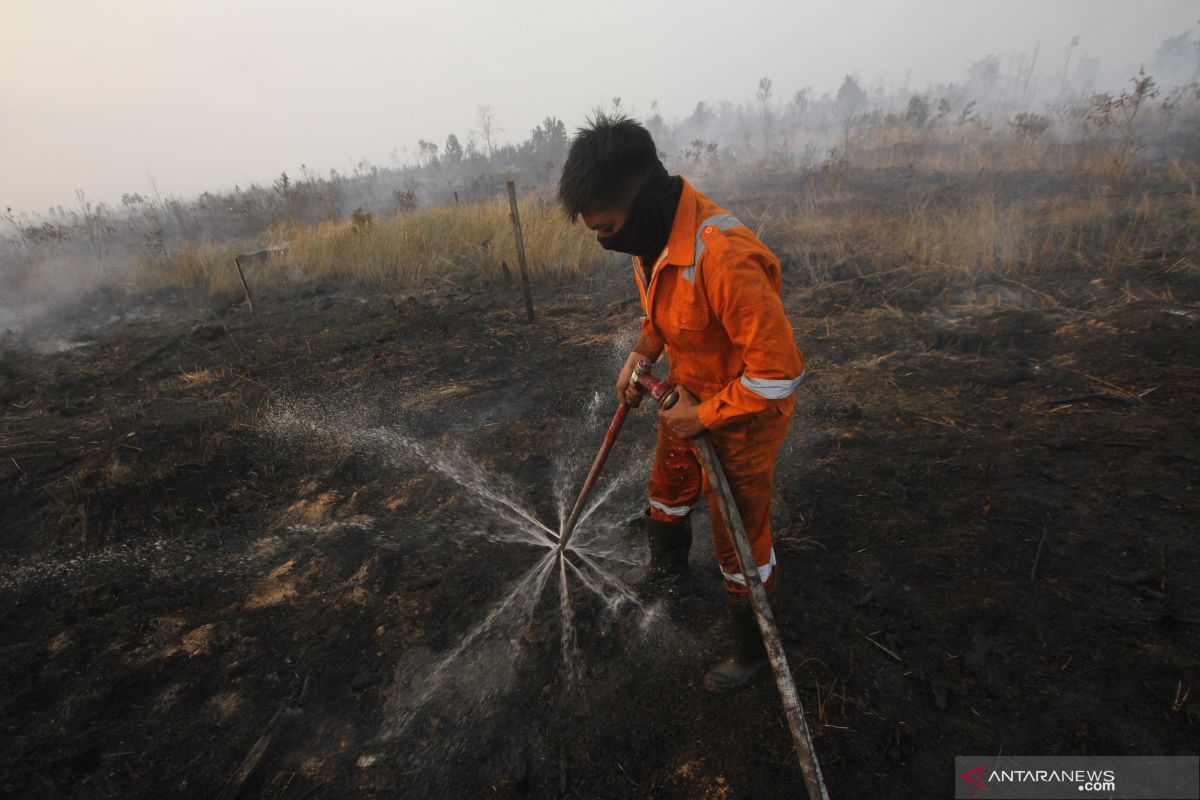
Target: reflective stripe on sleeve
(764, 572)
(674, 511)
(722, 222)
(772, 389)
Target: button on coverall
(713, 304)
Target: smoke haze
(137, 96)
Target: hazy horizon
(203, 96)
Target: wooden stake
(516, 221)
(237, 262)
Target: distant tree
(943, 109)
(544, 150)
(655, 121)
(984, 74)
(918, 111)
(851, 103)
(763, 96)
(1067, 62)
(548, 141)
(427, 153)
(485, 118)
(800, 101)
(793, 117)
(701, 117)
(453, 150)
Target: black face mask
(651, 214)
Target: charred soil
(985, 516)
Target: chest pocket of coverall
(691, 308)
(693, 317)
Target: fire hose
(666, 396)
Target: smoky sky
(194, 95)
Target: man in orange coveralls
(711, 293)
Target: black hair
(607, 160)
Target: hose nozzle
(661, 391)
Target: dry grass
(205, 264)
(408, 249)
(983, 234)
(477, 237)
(965, 148)
(1102, 230)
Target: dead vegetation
(407, 249)
(988, 233)
(829, 222)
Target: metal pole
(665, 394)
(766, 621)
(516, 221)
(609, 438)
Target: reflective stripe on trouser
(747, 451)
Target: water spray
(666, 400)
(667, 396)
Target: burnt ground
(193, 605)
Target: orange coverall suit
(713, 303)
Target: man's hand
(683, 418)
(627, 394)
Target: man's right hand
(630, 395)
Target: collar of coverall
(681, 244)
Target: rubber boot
(670, 543)
(749, 659)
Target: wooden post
(237, 262)
(516, 221)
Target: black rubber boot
(670, 543)
(749, 659)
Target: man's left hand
(683, 418)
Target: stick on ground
(1038, 555)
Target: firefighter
(710, 291)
